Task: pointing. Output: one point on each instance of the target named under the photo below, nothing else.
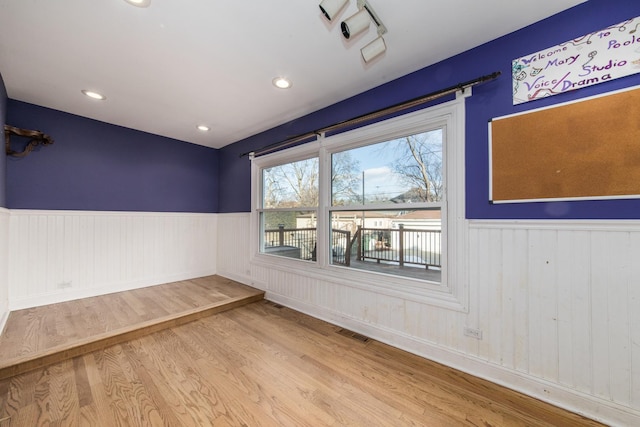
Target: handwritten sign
(588, 60)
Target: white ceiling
(180, 63)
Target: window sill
(384, 284)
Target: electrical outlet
(473, 333)
(64, 285)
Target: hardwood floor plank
(42, 397)
(28, 416)
(4, 394)
(83, 387)
(63, 403)
(88, 416)
(135, 304)
(99, 411)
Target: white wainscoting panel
(233, 248)
(558, 304)
(4, 265)
(61, 255)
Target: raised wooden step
(10, 367)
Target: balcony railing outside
(297, 243)
(340, 247)
(400, 246)
(397, 246)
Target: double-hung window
(387, 201)
(379, 206)
(288, 213)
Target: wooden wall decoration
(35, 138)
(586, 149)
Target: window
(288, 214)
(386, 206)
(381, 206)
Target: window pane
(403, 170)
(404, 243)
(289, 234)
(291, 185)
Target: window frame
(370, 136)
(452, 292)
(295, 154)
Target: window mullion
(324, 201)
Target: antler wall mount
(37, 138)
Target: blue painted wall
(3, 163)
(489, 100)
(98, 166)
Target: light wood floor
(262, 365)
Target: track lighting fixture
(358, 23)
(331, 8)
(355, 24)
(373, 49)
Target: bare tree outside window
(402, 170)
(418, 164)
(291, 185)
(345, 179)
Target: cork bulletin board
(588, 149)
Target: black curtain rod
(374, 115)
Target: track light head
(355, 24)
(374, 49)
(331, 8)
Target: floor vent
(354, 335)
(275, 304)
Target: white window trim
(453, 292)
(291, 155)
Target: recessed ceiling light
(203, 128)
(139, 3)
(94, 95)
(282, 83)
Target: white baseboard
(589, 406)
(3, 321)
